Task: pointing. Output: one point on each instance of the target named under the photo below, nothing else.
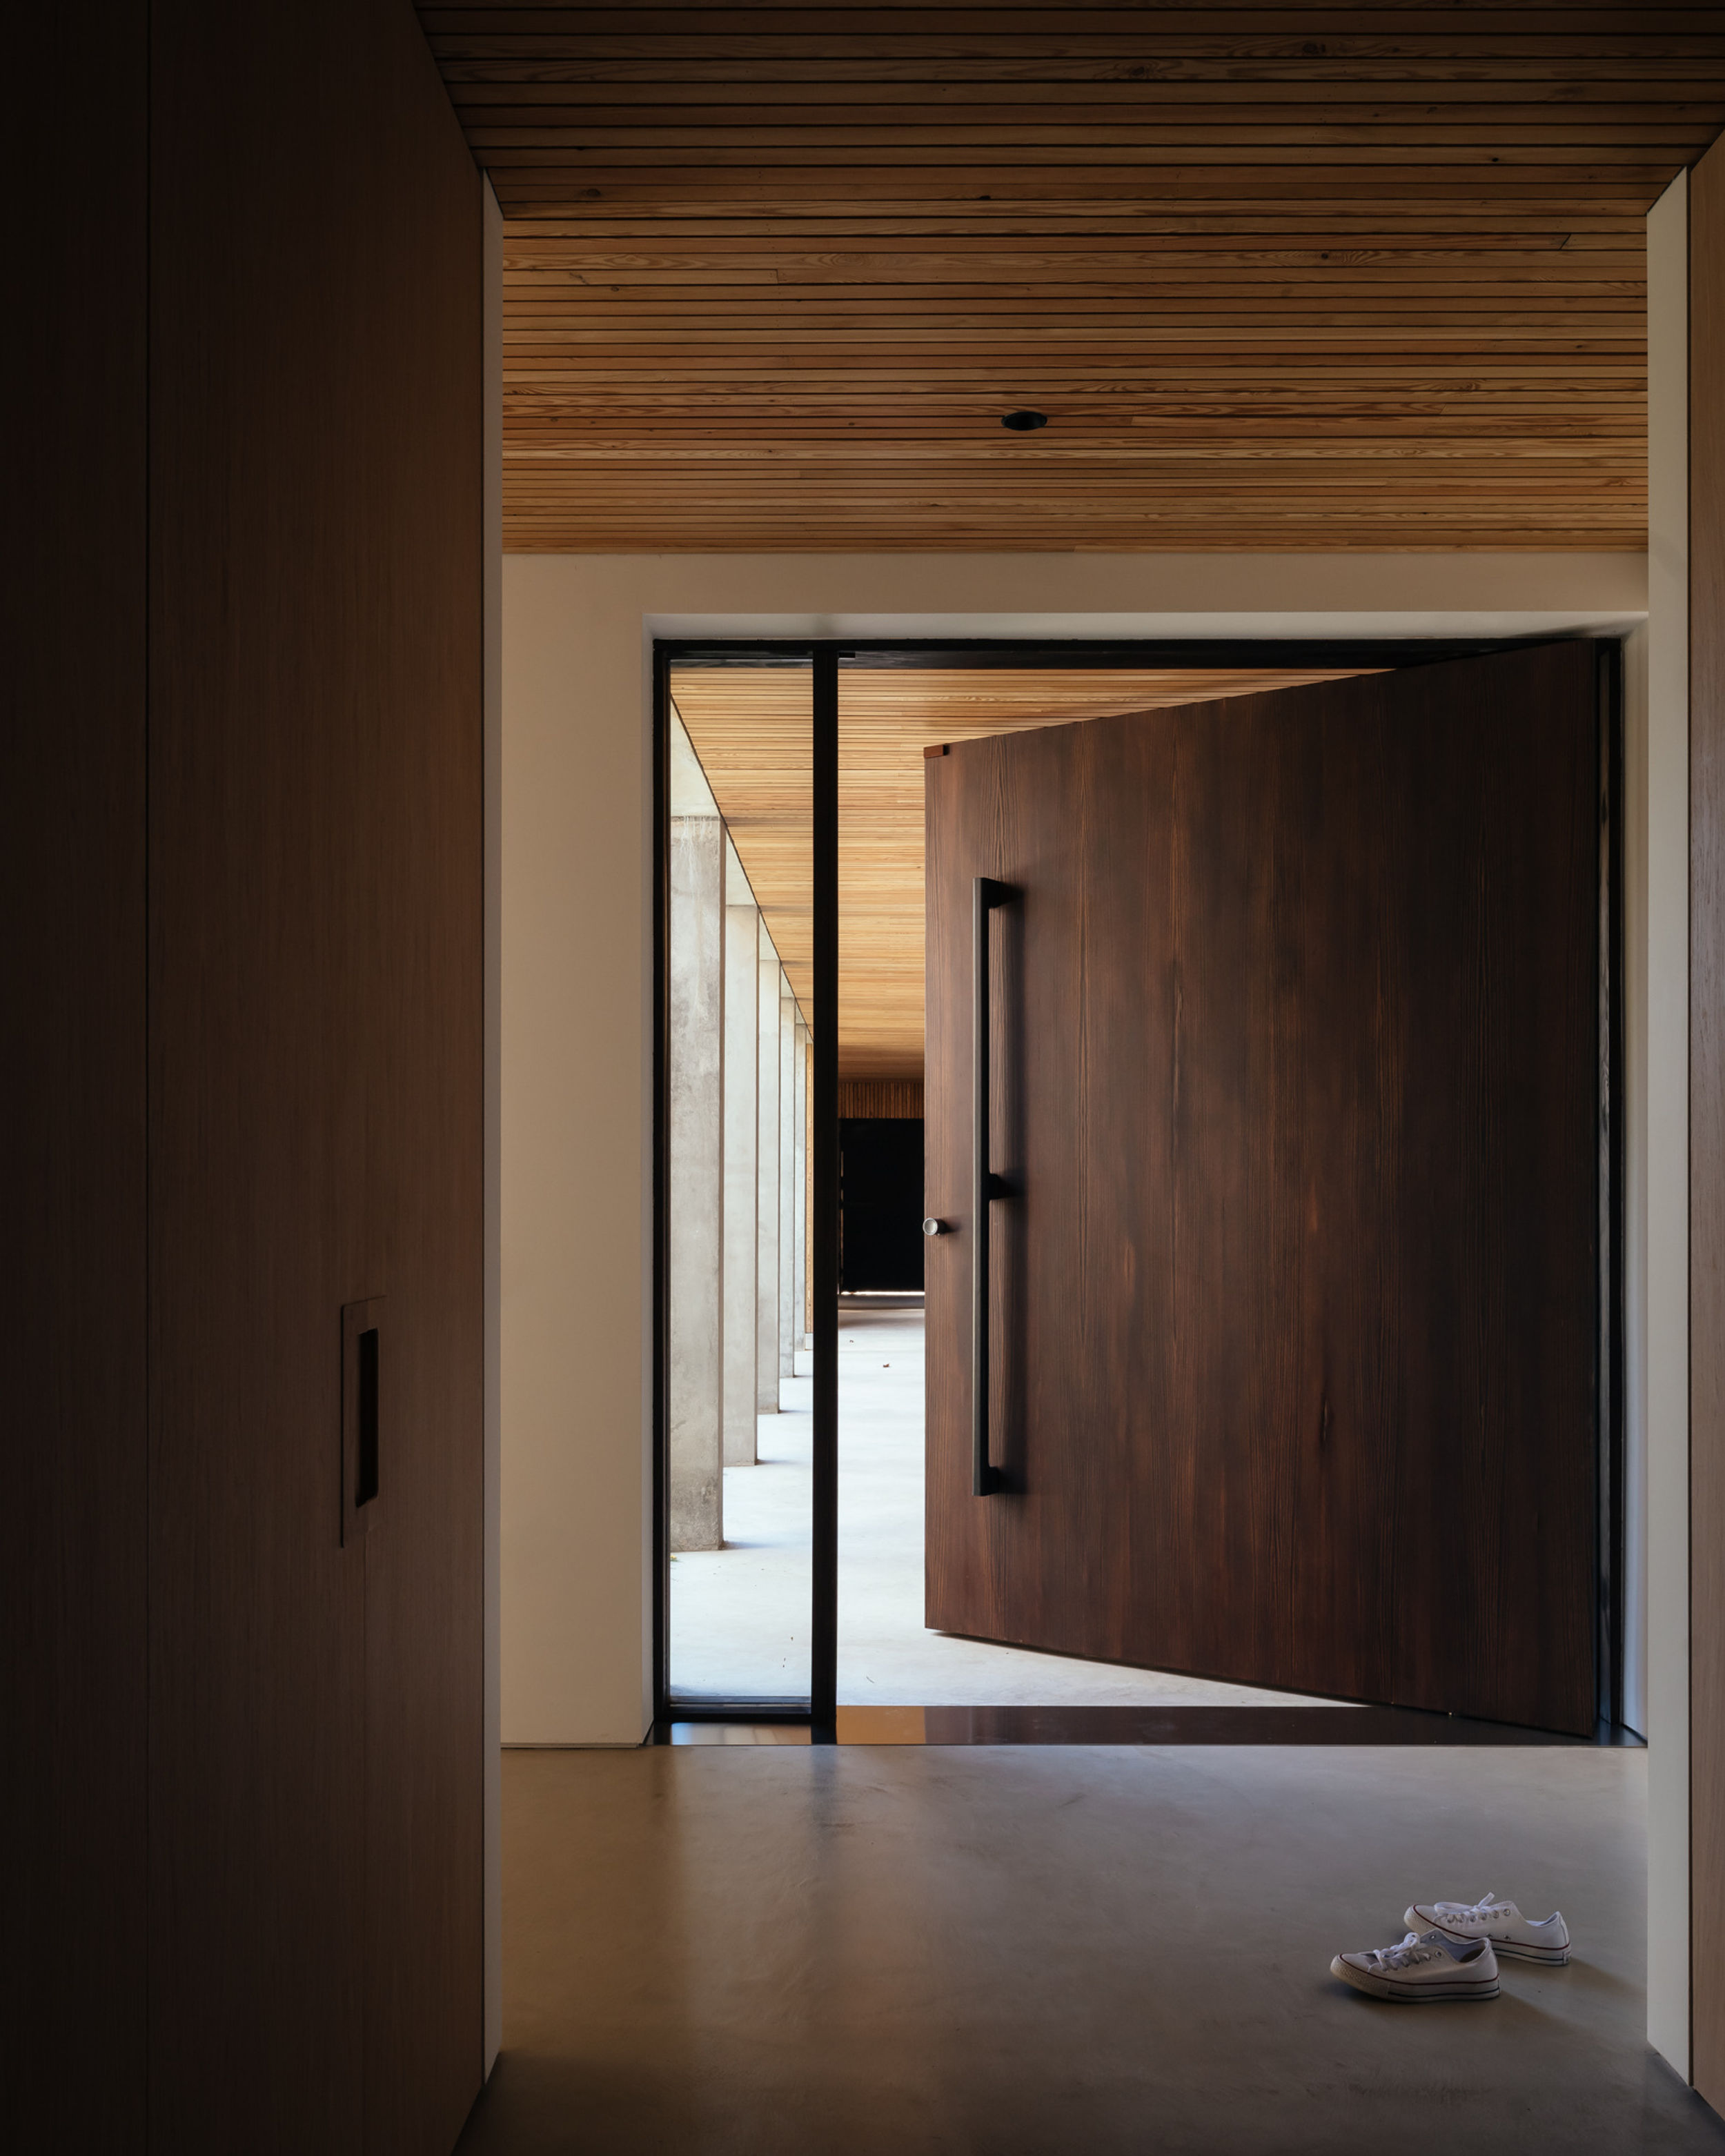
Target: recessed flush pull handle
(361, 1413)
(366, 1479)
(986, 894)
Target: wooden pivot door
(1291, 1285)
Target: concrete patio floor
(739, 1619)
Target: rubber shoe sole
(1505, 1949)
(1448, 1993)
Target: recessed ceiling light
(1024, 423)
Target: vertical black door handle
(986, 894)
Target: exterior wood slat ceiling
(1284, 277)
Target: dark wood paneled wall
(72, 1257)
(242, 870)
(315, 1080)
(1707, 1110)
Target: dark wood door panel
(316, 1078)
(1497, 1192)
(1294, 1075)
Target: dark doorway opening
(881, 1204)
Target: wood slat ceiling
(751, 729)
(1281, 276)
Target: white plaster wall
(577, 990)
(576, 974)
(1664, 1377)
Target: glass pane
(741, 932)
(886, 1655)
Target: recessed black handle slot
(362, 1414)
(365, 1486)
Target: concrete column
(743, 1055)
(767, 1183)
(800, 1296)
(788, 1328)
(697, 1156)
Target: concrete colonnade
(766, 1075)
(787, 1178)
(801, 1322)
(696, 1254)
(738, 1057)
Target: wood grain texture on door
(1707, 1115)
(1295, 1087)
(315, 1082)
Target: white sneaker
(1512, 1935)
(1425, 1968)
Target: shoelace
(1475, 1911)
(1397, 1957)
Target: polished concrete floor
(769, 1949)
(739, 1616)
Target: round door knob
(934, 1227)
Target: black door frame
(823, 657)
